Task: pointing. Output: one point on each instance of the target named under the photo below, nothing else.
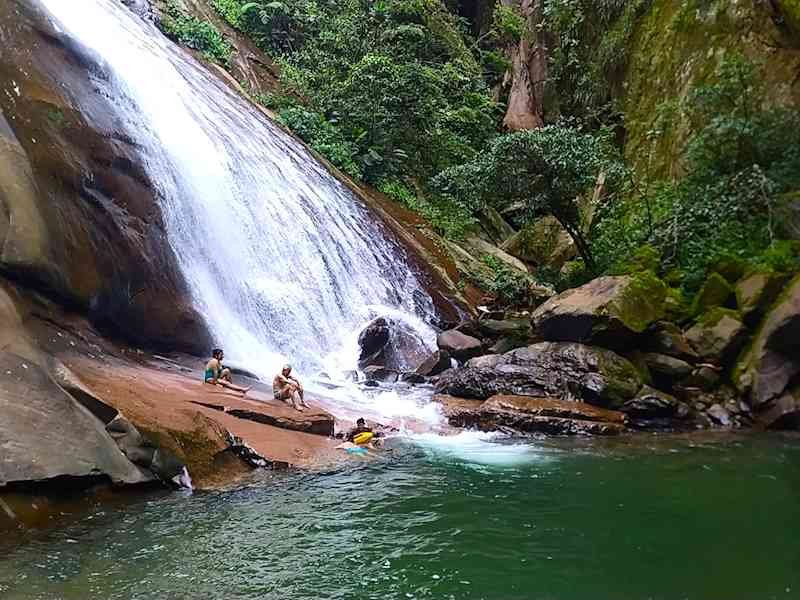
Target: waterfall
(280, 257)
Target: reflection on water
(686, 518)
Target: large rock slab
(45, 434)
(81, 217)
(773, 360)
(547, 370)
(756, 291)
(532, 415)
(459, 345)
(312, 420)
(606, 311)
(718, 335)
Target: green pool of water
(698, 518)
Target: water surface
(682, 518)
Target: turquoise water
(653, 518)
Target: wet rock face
(81, 218)
(559, 369)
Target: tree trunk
(528, 71)
(581, 244)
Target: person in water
(361, 427)
(217, 374)
(288, 389)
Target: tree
(537, 172)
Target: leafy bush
(538, 172)
(194, 33)
(741, 159)
(323, 137)
(508, 25)
(395, 91)
(447, 218)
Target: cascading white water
(281, 258)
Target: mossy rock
(676, 308)
(641, 302)
(715, 292)
(607, 311)
(731, 268)
(715, 315)
(756, 291)
(718, 335)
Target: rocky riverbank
(619, 353)
(81, 411)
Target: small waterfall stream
(283, 261)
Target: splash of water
(281, 258)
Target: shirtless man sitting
(289, 389)
(217, 374)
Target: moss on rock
(678, 46)
(641, 302)
(715, 292)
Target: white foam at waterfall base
(478, 448)
(283, 261)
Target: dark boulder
(667, 367)
(459, 345)
(607, 311)
(547, 370)
(372, 341)
(392, 344)
(436, 363)
(493, 328)
(650, 403)
(704, 376)
(667, 338)
(507, 344)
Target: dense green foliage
(589, 53)
(196, 34)
(534, 173)
(742, 161)
(391, 92)
(396, 93)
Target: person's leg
(297, 401)
(226, 375)
(230, 386)
(286, 394)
